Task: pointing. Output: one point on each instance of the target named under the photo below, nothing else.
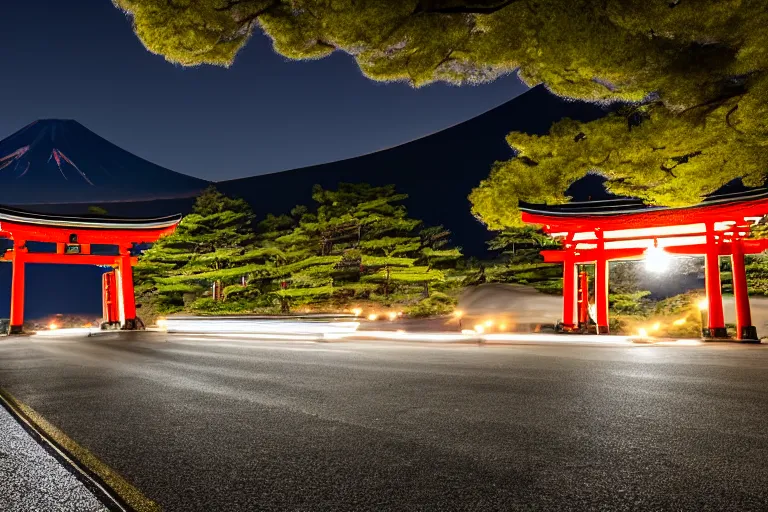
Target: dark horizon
(264, 114)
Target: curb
(111, 489)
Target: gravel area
(31, 479)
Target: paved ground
(206, 424)
(31, 479)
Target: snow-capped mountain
(61, 161)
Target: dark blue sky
(79, 59)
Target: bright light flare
(373, 317)
(656, 326)
(53, 326)
(162, 323)
(642, 332)
(656, 260)
(703, 305)
(392, 315)
(488, 323)
(679, 321)
(480, 328)
(357, 311)
(458, 313)
(259, 327)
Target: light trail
(260, 327)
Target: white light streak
(261, 327)
(684, 229)
(586, 235)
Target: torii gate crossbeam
(74, 237)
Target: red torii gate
(74, 237)
(601, 231)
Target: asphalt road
(207, 424)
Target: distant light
(489, 323)
(392, 315)
(162, 322)
(680, 321)
(458, 313)
(502, 327)
(357, 311)
(656, 326)
(703, 304)
(52, 326)
(479, 328)
(642, 333)
(373, 316)
(656, 260)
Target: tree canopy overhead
(686, 51)
(692, 74)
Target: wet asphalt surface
(205, 424)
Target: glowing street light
(656, 259)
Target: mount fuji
(58, 161)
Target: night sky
(80, 60)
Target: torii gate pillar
(744, 328)
(126, 294)
(17, 287)
(74, 237)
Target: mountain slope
(61, 161)
(438, 171)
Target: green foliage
(667, 158)
(358, 243)
(520, 262)
(598, 50)
(635, 303)
(692, 76)
(97, 210)
(212, 244)
(757, 274)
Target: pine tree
(211, 248)
(519, 260)
(359, 242)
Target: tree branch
(728, 118)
